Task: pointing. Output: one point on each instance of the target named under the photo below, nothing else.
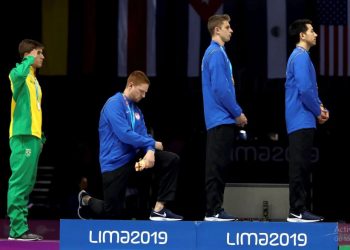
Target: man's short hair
(138, 77)
(297, 27)
(216, 21)
(27, 45)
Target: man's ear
(130, 84)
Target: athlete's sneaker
(81, 195)
(164, 215)
(221, 216)
(305, 216)
(27, 236)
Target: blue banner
(267, 235)
(189, 235)
(118, 234)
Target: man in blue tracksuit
(221, 112)
(302, 109)
(123, 141)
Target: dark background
(173, 108)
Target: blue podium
(196, 235)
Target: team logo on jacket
(137, 116)
(28, 152)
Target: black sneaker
(164, 215)
(221, 216)
(81, 195)
(304, 217)
(28, 236)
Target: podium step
(193, 235)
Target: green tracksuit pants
(25, 152)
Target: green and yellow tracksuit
(26, 140)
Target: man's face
(138, 92)
(309, 37)
(225, 31)
(39, 58)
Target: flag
(198, 14)
(153, 37)
(334, 37)
(276, 38)
(55, 36)
(137, 36)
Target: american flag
(334, 37)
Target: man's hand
(324, 116)
(159, 145)
(241, 120)
(147, 161)
(33, 52)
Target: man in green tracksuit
(26, 137)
